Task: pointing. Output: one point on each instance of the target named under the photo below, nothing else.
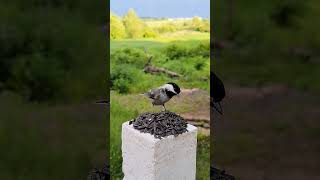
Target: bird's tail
(145, 94)
(219, 110)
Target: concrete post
(148, 158)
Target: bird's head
(172, 89)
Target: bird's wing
(153, 93)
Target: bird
(163, 94)
(103, 102)
(217, 92)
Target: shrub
(196, 22)
(39, 51)
(167, 28)
(199, 66)
(204, 27)
(149, 33)
(175, 51)
(121, 77)
(203, 50)
(133, 56)
(37, 78)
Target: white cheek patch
(169, 87)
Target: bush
(37, 78)
(167, 28)
(133, 56)
(39, 51)
(149, 33)
(203, 50)
(204, 27)
(122, 77)
(175, 51)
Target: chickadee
(103, 102)
(217, 92)
(163, 94)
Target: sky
(162, 8)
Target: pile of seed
(160, 124)
(100, 173)
(217, 174)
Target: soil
(267, 133)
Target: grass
(189, 38)
(125, 108)
(188, 59)
(261, 54)
(269, 69)
(50, 142)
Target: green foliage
(203, 50)
(149, 33)
(205, 26)
(127, 65)
(121, 77)
(44, 55)
(126, 68)
(133, 24)
(136, 28)
(285, 13)
(133, 56)
(196, 22)
(117, 29)
(168, 27)
(43, 142)
(125, 108)
(175, 51)
(37, 77)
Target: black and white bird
(103, 102)
(163, 94)
(217, 92)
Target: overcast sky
(163, 8)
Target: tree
(117, 29)
(133, 24)
(205, 26)
(196, 23)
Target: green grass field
(124, 108)
(128, 105)
(50, 142)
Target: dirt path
(268, 133)
(199, 114)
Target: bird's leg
(164, 107)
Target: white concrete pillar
(148, 158)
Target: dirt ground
(267, 133)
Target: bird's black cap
(217, 88)
(176, 88)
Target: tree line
(132, 26)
